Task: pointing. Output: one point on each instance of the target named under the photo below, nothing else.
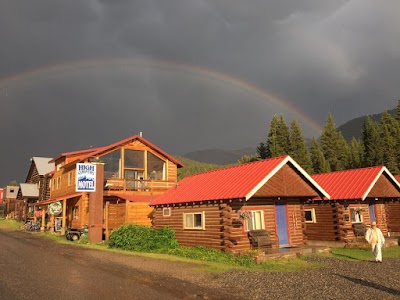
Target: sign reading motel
(85, 178)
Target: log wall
(223, 228)
(393, 216)
(326, 227)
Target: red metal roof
(350, 184)
(397, 177)
(241, 181)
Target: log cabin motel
(129, 174)
(218, 209)
(358, 197)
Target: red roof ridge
(236, 166)
(349, 170)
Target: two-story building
(36, 187)
(131, 173)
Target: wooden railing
(128, 185)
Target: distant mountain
(354, 126)
(219, 156)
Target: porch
(290, 252)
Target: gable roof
(352, 184)
(101, 150)
(78, 152)
(29, 190)
(397, 177)
(237, 182)
(43, 165)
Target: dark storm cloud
(321, 56)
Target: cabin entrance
(281, 224)
(372, 216)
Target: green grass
(10, 224)
(364, 254)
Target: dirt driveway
(36, 268)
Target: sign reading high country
(85, 178)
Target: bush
(141, 238)
(84, 239)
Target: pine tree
(319, 164)
(398, 111)
(283, 135)
(333, 146)
(388, 134)
(356, 154)
(248, 158)
(298, 149)
(273, 145)
(262, 150)
(371, 143)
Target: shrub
(141, 238)
(84, 239)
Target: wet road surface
(36, 268)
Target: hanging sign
(85, 178)
(55, 208)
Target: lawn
(364, 254)
(215, 261)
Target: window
(310, 215)
(356, 214)
(155, 167)
(166, 212)
(256, 220)
(194, 221)
(58, 182)
(75, 213)
(134, 159)
(69, 178)
(112, 163)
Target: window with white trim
(356, 214)
(166, 212)
(310, 215)
(194, 220)
(256, 220)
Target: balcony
(132, 186)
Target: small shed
(358, 197)
(218, 209)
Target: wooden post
(43, 219)
(107, 233)
(52, 223)
(26, 210)
(96, 204)
(64, 217)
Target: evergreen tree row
(379, 145)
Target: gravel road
(31, 267)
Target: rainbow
(217, 76)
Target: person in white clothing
(376, 239)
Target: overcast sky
(189, 74)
